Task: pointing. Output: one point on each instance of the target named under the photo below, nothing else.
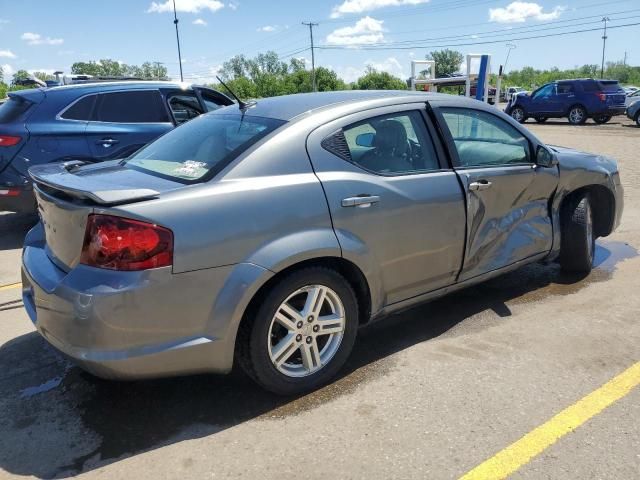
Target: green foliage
(110, 68)
(20, 75)
(375, 80)
(447, 61)
(4, 88)
(44, 76)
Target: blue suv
(575, 99)
(94, 122)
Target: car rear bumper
(128, 325)
(613, 111)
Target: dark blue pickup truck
(575, 99)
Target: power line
(474, 43)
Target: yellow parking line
(10, 286)
(507, 461)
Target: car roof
(124, 85)
(288, 107)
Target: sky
(38, 35)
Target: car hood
(568, 158)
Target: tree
(110, 68)
(20, 76)
(1, 75)
(375, 80)
(44, 76)
(447, 61)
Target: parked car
(267, 235)
(630, 89)
(577, 100)
(511, 91)
(93, 122)
(492, 93)
(633, 112)
(632, 98)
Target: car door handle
(107, 142)
(481, 185)
(362, 201)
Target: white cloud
(518, 12)
(200, 21)
(187, 6)
(7, 71)
(359, 6)
(7, 54)
(268, 28)
(233, 5)
(37, 39)
(366, 30)
(351, 74)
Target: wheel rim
(306, 331)
(576, 115)
(517, 114)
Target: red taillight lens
(9, 192)
(9, 140)
(602, 96)
(118, 243)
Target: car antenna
(241, 104)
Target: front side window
(398, 143)
(137, 106)
(184, 107)
(202, 147)
(544, 92)
(483, 139)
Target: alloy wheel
(306, 331)
(517, 114)
(576, 115)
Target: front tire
(302, 332)
(518, 114)
(577, 115)
(577, 245)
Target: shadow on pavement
(13, 228)
(58, 421)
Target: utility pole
(510, 46)
(625, 58)
(604, 43)
(175, 22)
(157, 65)
(313, 59)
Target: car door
(566, 96)
(396, 210)
(125, 121)
(545, 101)
(507, 195)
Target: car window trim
(451, 146)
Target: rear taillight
(118, 243)
(602, 96)
(9, 192)
(9, 140)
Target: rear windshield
(609, 86)
(199, 149)
(11, 109)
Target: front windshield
(201, 147)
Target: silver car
(267, 234)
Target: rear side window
(565, 88)
(483, 139)
(13, 108)
(80, 110)
(202, 147)
(590, 86)
(142, 106)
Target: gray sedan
(267, 235)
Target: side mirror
(545, 157)
(365, 139)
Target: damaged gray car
(266, 234)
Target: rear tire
(577, 245)
(600, 119)
(518, 114)
(308, 358)
(638, 118)
(577, 115)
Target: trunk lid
(68, 192)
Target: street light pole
(604, 43)
(313, 59)
(175, 22)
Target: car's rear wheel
(600, 119)
(541, 119)
(518, 114)
(301, 333)
(577, 115)
(638, 118)
(577, 245)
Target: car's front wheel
(577, 115)
(577, 245)
(302, 332)
(600, 119)
(518, 114)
